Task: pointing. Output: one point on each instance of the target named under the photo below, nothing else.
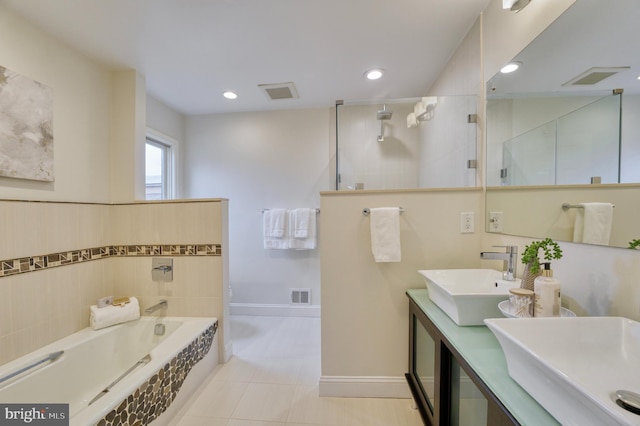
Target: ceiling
(191, 51)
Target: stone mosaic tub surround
(154, 396)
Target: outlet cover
(467, 223)
(496, 221)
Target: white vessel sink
(573, 367)
(468, 296)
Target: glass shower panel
(530, 159)
(589, 143)
(389, 154)
(448, 141)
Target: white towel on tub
(385, 234)
(593, 223)
(112, 315)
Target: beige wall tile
(6, 308)
(7, 352)
(29, 299)
(31, 338)
(39, 307)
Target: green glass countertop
(480, 349)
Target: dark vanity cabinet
(445, 388)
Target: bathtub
(94, 359)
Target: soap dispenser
(547, 294)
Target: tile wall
(56, 259)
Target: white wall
(164, 121)
(365, 310)
(81, 113)
(258, 161)
(390, 164)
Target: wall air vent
(300, 296)
(280, 90)
(594, 75)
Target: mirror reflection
(563, 128)
(426, 142)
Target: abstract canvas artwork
(26, 128)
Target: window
(158, 170)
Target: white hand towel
(268, 222)
(303, 229)
(112, 315)
(278, 223)
(303, 219)
(593, 223)
(385, 234)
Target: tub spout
(160, 305)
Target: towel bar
(366, 211)
(264, 210)
(567, 206)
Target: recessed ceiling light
(374, 74)
(510, 67)
(230, 95)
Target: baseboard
(364, 387)
(261, 309)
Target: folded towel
(303, 220)
(385, 234)
(593, 223)
(112, 315)
(278, 222)
(274, 223)
(303, 229)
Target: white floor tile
(218, 399)
(308, 407)
(272, 380)
(234, 422)
(268, 402)
(188, 420)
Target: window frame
(168, 145)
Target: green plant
(550, 248)
(633, 244)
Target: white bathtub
(94, 359)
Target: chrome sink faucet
(510, 257)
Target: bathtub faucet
(151, 309)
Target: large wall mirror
(564, 128)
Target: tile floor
(273, 381)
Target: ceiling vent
(280, 91)
(593, 76)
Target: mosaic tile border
(37, 263)
(154, 396)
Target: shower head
(383, 114)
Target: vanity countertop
(480, 349)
